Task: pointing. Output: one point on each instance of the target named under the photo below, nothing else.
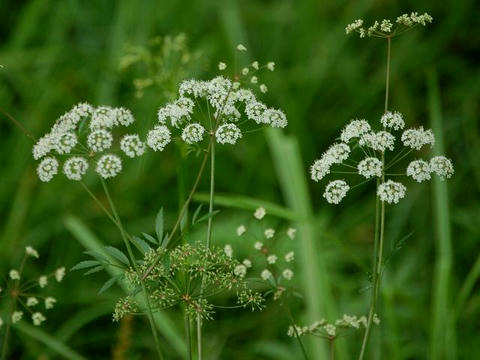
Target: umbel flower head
(386, 28)
(86, 135)
(379, 158)
(26, 294)
(221, 109)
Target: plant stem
(297, 336)
(332, 349)
(7, 330)
(379, 224)
(209, 235)
(135, 266)
(188, 335)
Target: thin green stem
(387, 77)
(297, 335)
(135, 266)
(7, 330)
(332, 349)
(188, 335)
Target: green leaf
(96, 255)
(117, 254)
(165, 241)
(196, 213)
(150, 238)
(85, 264)
(159, 225)
(108, 284)
(94, 270)
(141, 244)
(206, 216)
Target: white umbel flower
(380, 140)
(336, 191)
(291, 233)
(240, 270)
(47, 169)
(109, 166)
(357, 24)
(103, 117)
(64, 143)
(355, 129)
(60, 274)
(100, 140)
(393, 120)
(337, 153)
(38, 318)
(43, 146)
(132, 146)
(158, 137)
(241, 230)
(247, 263)
(228, 134)
(330, 329)
(370, 167)
(417, 138)
(258, 245)
(255, 110)
(32, 301)
(441, 166)
(42, 281)
(419, 170)
(30, 251)
(320, 169)
(228, 250)
(272, 259)
(271, 66)
(266, 274)
(17, 316)
(193, 133)
(14, 274)
(123, 116)
(222, 66)
(75, 167)
(274, 117)
(260, 213)
(287, 274)
(290, 256)
(50, 302)
(391, 191)
(269, 233)
(195, 88)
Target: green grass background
(57, 53)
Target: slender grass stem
(188, 336)
(379, 230)
(135, 266)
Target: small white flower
(393, 120)
(65, 142)
(287, 274)
(330, 329)
(103, 117)
(222, 66)
(14, 274)
(263, 88)
(123, 116)
(291, 233)
(17, 316)
(228, 250)
(271, 66)
(417, 138)
(100, 140)
(441, 166)
(240, 270)
(336, 191)
(38, 318)
(370, 167)
(255, 110)
(193, 133)
(386, 26)
(158, 137)
(254, 80)
(60, 274)
(240, 47)
(75, 167)
(337, 153)
(247, 263)
(380, 140)
(260, 213)
(30, 251)
(271, 259)
(357, 24)
(320, 169)
(276, 118)
(258, 245)
(269, 233)
(241, 230)
(32, 301)
(255, 65)
(43, 281)
(228, 134)
(50, 302)
(419, 170)
(290, 256)
(376, 319)
(355, 129)
(266, 274)
(47, 169)
(391, 191)
(109, 166)
(245, 71)
(132, 146)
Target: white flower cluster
(358, 133)
(228, 134)
(322, 328)
(386, 27)
(64, 137)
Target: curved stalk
(379, 230)
(135, 266)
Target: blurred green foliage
(57, 53)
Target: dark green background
(57, 53)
